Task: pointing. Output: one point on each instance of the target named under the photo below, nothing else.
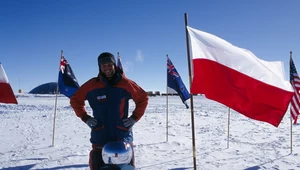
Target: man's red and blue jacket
(110, 104)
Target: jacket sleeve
(140, 98)
(77, 102)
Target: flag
(6, 93)
(238, 79)
(174, 82)
(119, 63)
(295, 82)
(67, 81)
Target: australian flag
(174, 82)
(67, 81)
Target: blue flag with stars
(67, 82)
(174, 82)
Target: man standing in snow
(108, 95)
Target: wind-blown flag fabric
(6, 93)
(238, 79)
(119, 63)
(175, 82)
(295, 82)
(67, 81)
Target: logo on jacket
(103, 97)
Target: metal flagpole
(54, 117)
(167, 106)
(291, 129)
(191, 99)
(228, 127)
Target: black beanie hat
(106, 57)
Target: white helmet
(117, 153)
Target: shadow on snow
(26, 167)
(66, 167)
(257, 167)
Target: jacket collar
(114, 80)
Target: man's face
(108, 69)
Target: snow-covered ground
(26, 133)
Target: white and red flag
(238, 79)
(6, 93)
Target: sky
(237, 143)
(34, 32)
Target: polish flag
(238, 79)
(6, 93)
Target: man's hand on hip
(129, 122)
(91, 122)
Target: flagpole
(54, 117)
(291, 129)
(167, 105)
(228, 127)
(118, 59)
(191, 96)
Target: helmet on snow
(117, 153)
